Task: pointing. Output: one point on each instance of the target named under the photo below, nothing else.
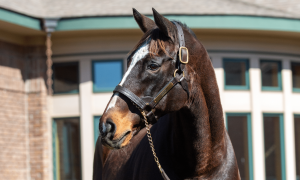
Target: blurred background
(61, 59)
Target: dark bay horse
(190, 138)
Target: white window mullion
(257, 121)
(86, 119)
(288, 121)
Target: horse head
(150, 66)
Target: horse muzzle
(108, 131)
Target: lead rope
(164, 175)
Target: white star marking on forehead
(140, 54)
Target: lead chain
(149, 137)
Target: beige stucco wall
(124, 40)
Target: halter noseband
(147, 104)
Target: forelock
(156, 39)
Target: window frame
(279, 76)
(54, 132)
(297, 90)
(53, 73)
(93, 74)
(96, 127)
(282, 142)
(237, 87)
(249, 134)
(295, 116)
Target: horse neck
(199, 142)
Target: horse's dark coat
(137, 159)
(190, 137)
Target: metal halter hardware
(145, 105)
(180, 55)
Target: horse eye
(153, 67)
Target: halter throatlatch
(148, 104)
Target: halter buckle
(187, 55)
(176, 71)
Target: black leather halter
(146, 104)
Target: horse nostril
(104, 130)
(108, 128)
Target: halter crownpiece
(146, 104)
(183, 51)
(183, 56)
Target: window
(239, 130)
(236, 74)
(296, 76)
(271, 75)
(96, 128)
(297, 145)
(66, 149)
(274, 147)
(65, 78)
(107, 75)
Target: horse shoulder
(229, 168)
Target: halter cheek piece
(147, 104)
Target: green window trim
(53, 84)
(55, 157)
(240, 22)
(282, 143)
(236, 87)
(296, 90)
(296, 116)
(20, 19)
(269, 88)
(96, 127)
(194, 22)
(249, 134)
(69, 92)
(54, 150)
(93, 74)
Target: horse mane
(157, 40)
(184, 26)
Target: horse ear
(144, 22)
(166, 26)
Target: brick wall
(39, 128)
(24, 129)
(13, 130)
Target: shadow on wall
(22, 62)
(23, 116)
